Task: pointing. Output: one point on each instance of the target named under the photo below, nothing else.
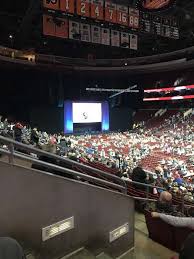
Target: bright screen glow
(87, 112)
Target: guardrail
(109, 181)
(70, 62)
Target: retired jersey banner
(85, 32)
(105, 36)
(133, 18)
(97, 9)
(115, 38)
(62, 26)
(67, 6)
(122, 14)
(74, 31)
(51, 4)
(96, 34)
(133, 41)
(48, 25)
(124, 40)
(110, 12)
(83, 7)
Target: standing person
(34, 136)
(6, 123)
(18, 132)
(1, 125)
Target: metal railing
(117, 182)
(14, 149)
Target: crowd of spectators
(162, 156)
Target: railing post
(147, 196)
(11, 149)
(183, 204)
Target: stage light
(126, 64)
(11, 36)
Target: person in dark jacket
(139, 175)
(10, 249)
(34, 136)
(18, 132)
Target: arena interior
(97, 129)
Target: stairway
(86, 254)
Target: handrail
(62, 159)
(64, 170)
(71, 162)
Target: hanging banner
(124, 40)
(61, 27)
(74, 32)
(83, 7)
(115, 38)
(110, 12)
(48, 25)
(97, 9)
(122, 15)
(96, 34)
(133, 41)
(51, 4)
(85, 32)
(105, 36)
(67, 6)
(133, 18)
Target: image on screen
(87, 112)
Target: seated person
(164, 203)
(187, 222)
(10, 249)
(187, 250)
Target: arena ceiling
(20, 27)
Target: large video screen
(87, 112)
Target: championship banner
(85, 32)
(96, 34)
(110, 12)
(133, 18)
(133, 41)
(83, 7)
(51, 4)
(74, 32)
(67, 6)
(97, 9)
(61, 27)
(122, 15)
(124, 40)
(48, 25)
(105, 36)
(115, 38)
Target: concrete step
(82, 254)
(103, 256)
